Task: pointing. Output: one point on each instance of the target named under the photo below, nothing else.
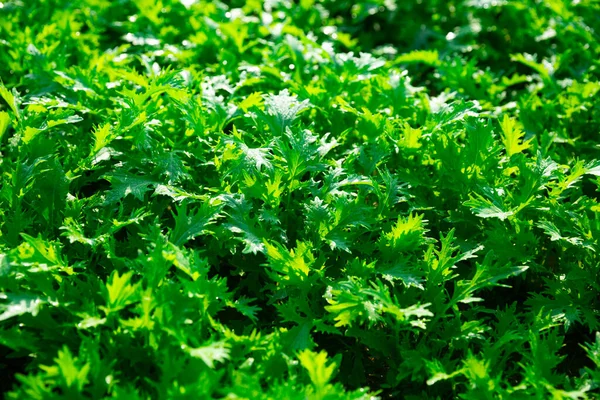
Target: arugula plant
(291, 200)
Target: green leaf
(299, 261)
(429, 57)
(12, 99)
(124, 184)
(102, 137)
(252, 234)
(593, 350)
(253, 100)
(120, 292)
(319, 371)
(282, 110)
(211, 353)
(70, 370)
(243, 305)
(4, 123)
(171, 166)
(19, 305)
(407, 234)
(544, 69)
(190, 225)
(490, 207)
(438, 373)
(512, 136)
(44, 252)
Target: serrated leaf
(189, 225)
(171, 166)
(44, 251)
(120, 291)
(123, 184)
(286, 262)
(19, 305)
(490, 207)
(283, 109)
(253, 100)
(319, 371)
(211, 353)
(102, 137)
(512, 136)
(70, 369)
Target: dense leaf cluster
(291, 200)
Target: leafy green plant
(292, 200)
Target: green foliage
(299, 200)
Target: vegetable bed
(299, 199)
